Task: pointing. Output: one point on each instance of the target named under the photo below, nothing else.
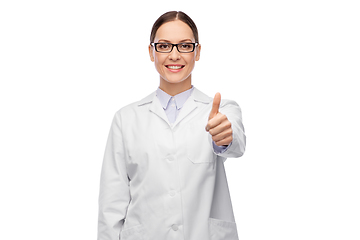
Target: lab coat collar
(196, 95)
(179, 99)
(190, 105)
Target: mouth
(175, 67)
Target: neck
(175, 88)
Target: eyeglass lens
(182, 47)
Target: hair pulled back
(172, 16)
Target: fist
(218, 124)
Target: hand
(218, 124)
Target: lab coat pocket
(133, 233)
(222, 230)
(198, 149)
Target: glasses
(168, 47)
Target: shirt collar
(180, 98)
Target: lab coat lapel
(156, 108)
(191, 104)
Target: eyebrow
(184, 40)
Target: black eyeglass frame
(172, 46)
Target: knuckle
(228, 134)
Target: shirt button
(173, 105)
(172, 193)
(173, 99)
(174, 227)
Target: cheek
(159, 61)
(190, 60)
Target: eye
(163, 46)
(186, 46)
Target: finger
(215, 106)
(219, 119)
(215, 121)
(225, 141)
(222, 135)
(224, 125)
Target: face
(174, 67)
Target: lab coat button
(174, 227)
(172, 193)
(170, 159)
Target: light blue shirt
(172, 106)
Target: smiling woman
(163, 171)
(168, 62)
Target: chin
(170, 80)
(173, 79)
(174, 82)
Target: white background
(293, 66)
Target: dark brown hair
(172, 16)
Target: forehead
(174, 31)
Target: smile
(175, 67)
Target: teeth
(174, 67)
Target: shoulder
(229, 107)
(199, 96)
(202, 97)
(228, 102)
(133, 107)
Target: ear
(198, 48)
(151, 53)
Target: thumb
(215, 106)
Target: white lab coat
(163, 181)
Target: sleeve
(220, 149)
(237, 147)
(114, 194)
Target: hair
(172, 16)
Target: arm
(233, 112)
(226, 121)
(114, 194)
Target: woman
(163, 171)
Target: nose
(174, 54)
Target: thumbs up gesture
(218, 124)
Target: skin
(174, 32)
(176, 82)
(219, 125)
